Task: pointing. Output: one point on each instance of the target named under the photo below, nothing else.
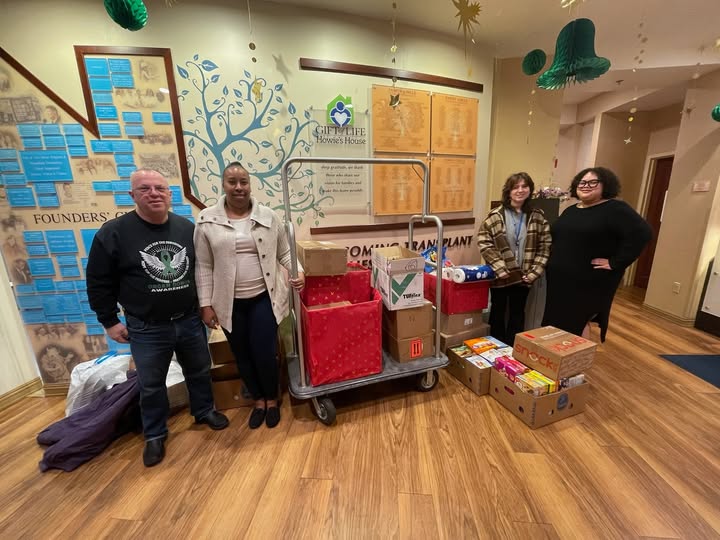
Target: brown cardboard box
(326, 306)
(476, 378)
(322, 258)
(224, 372)
(220, 352)
(538, 411)
(407, 350)
(450, 340)
(410, 322)
(231, 394)
(460, 322)
(554, 352)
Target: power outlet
(676, 287)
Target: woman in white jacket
(240, 246)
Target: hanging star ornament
(468, 13)
(628, 140)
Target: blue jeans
(152, 346)
(253, 341)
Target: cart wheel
(427, 381)
(325, 410)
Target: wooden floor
(643, 461)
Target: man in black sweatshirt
(145, 260)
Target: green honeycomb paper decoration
(534, 61)
(130, 14)
(575, 59)
(716, 113)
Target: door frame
(643, 200)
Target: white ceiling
(680, 33)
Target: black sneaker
(256, 418)
(272, 418)
(154, 452)
(216, 420)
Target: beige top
(215, 261)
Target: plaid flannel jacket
(496, 250)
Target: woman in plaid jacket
(515, 240)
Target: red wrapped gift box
(458, 297)
(345, 342)
(354, 286)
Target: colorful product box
(480, 344)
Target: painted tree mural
(251, 122)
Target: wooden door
(653, 215)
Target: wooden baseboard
(15, 395)
(682, 321)
(56, 389)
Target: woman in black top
(593, 243)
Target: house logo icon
(340, 111)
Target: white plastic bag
(90, 379)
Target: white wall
(586, 147)
(17, 365)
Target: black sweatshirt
(149, 269)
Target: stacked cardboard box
(408, 333)
(228, 388)
(322, 258)
(397, 274)
(552, 386)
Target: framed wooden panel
(397, 189)
(454, 125)
(403, 128)
(452, 184)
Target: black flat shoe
(154, 452)
(257, 416)
(272, 418)
(216, 420)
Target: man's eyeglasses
(147, 189)
(588, 183)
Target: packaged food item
(542, 379)
(492, 354)
(530, 385)
(479, 361)
(467, 273)
(510, 367)
(569, 382)
(431, 254)
(463, 351)
(480, 344)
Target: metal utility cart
(425, 369)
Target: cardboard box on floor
(408, 323)
(322, 258)
(451, 340)
(407, 350)
(397, 273)
(538, 411)
(224, 372)
(231, 394)
(476, 378)
(460, 322)
(553, 352)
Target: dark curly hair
(610, 182)
(512, 181)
